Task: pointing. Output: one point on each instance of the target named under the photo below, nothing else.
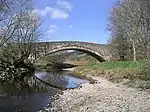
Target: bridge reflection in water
(38, 93)
(60, 79)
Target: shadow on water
(37, 91)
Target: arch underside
(91, 53)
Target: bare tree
(19, 29)
(10, 9)
(129, 26)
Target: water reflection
(34, 94)
(21, 88)
(60, 79)
(29, 96)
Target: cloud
(55, 13)
(64, 4)
(59, 14)
(43, 12)
(52, 28)
(60, 11)
(70, 26)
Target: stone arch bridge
(99, 51)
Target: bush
(144, 71)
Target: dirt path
(102, 97)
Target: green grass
(118, 64)
(117, 71)
(110, 65)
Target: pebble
(102, 97)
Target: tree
(19, 29)
(10, 10)
(129, 27)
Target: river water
(34, 101)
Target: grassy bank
(135, 74)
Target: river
(34, 101)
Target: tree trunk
(148, 50)
(134, 51)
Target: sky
(74, 20)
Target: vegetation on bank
(19, 29)
(132, 73)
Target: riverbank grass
(132, 73)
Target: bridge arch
(92, 53)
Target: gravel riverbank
(103, 96)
